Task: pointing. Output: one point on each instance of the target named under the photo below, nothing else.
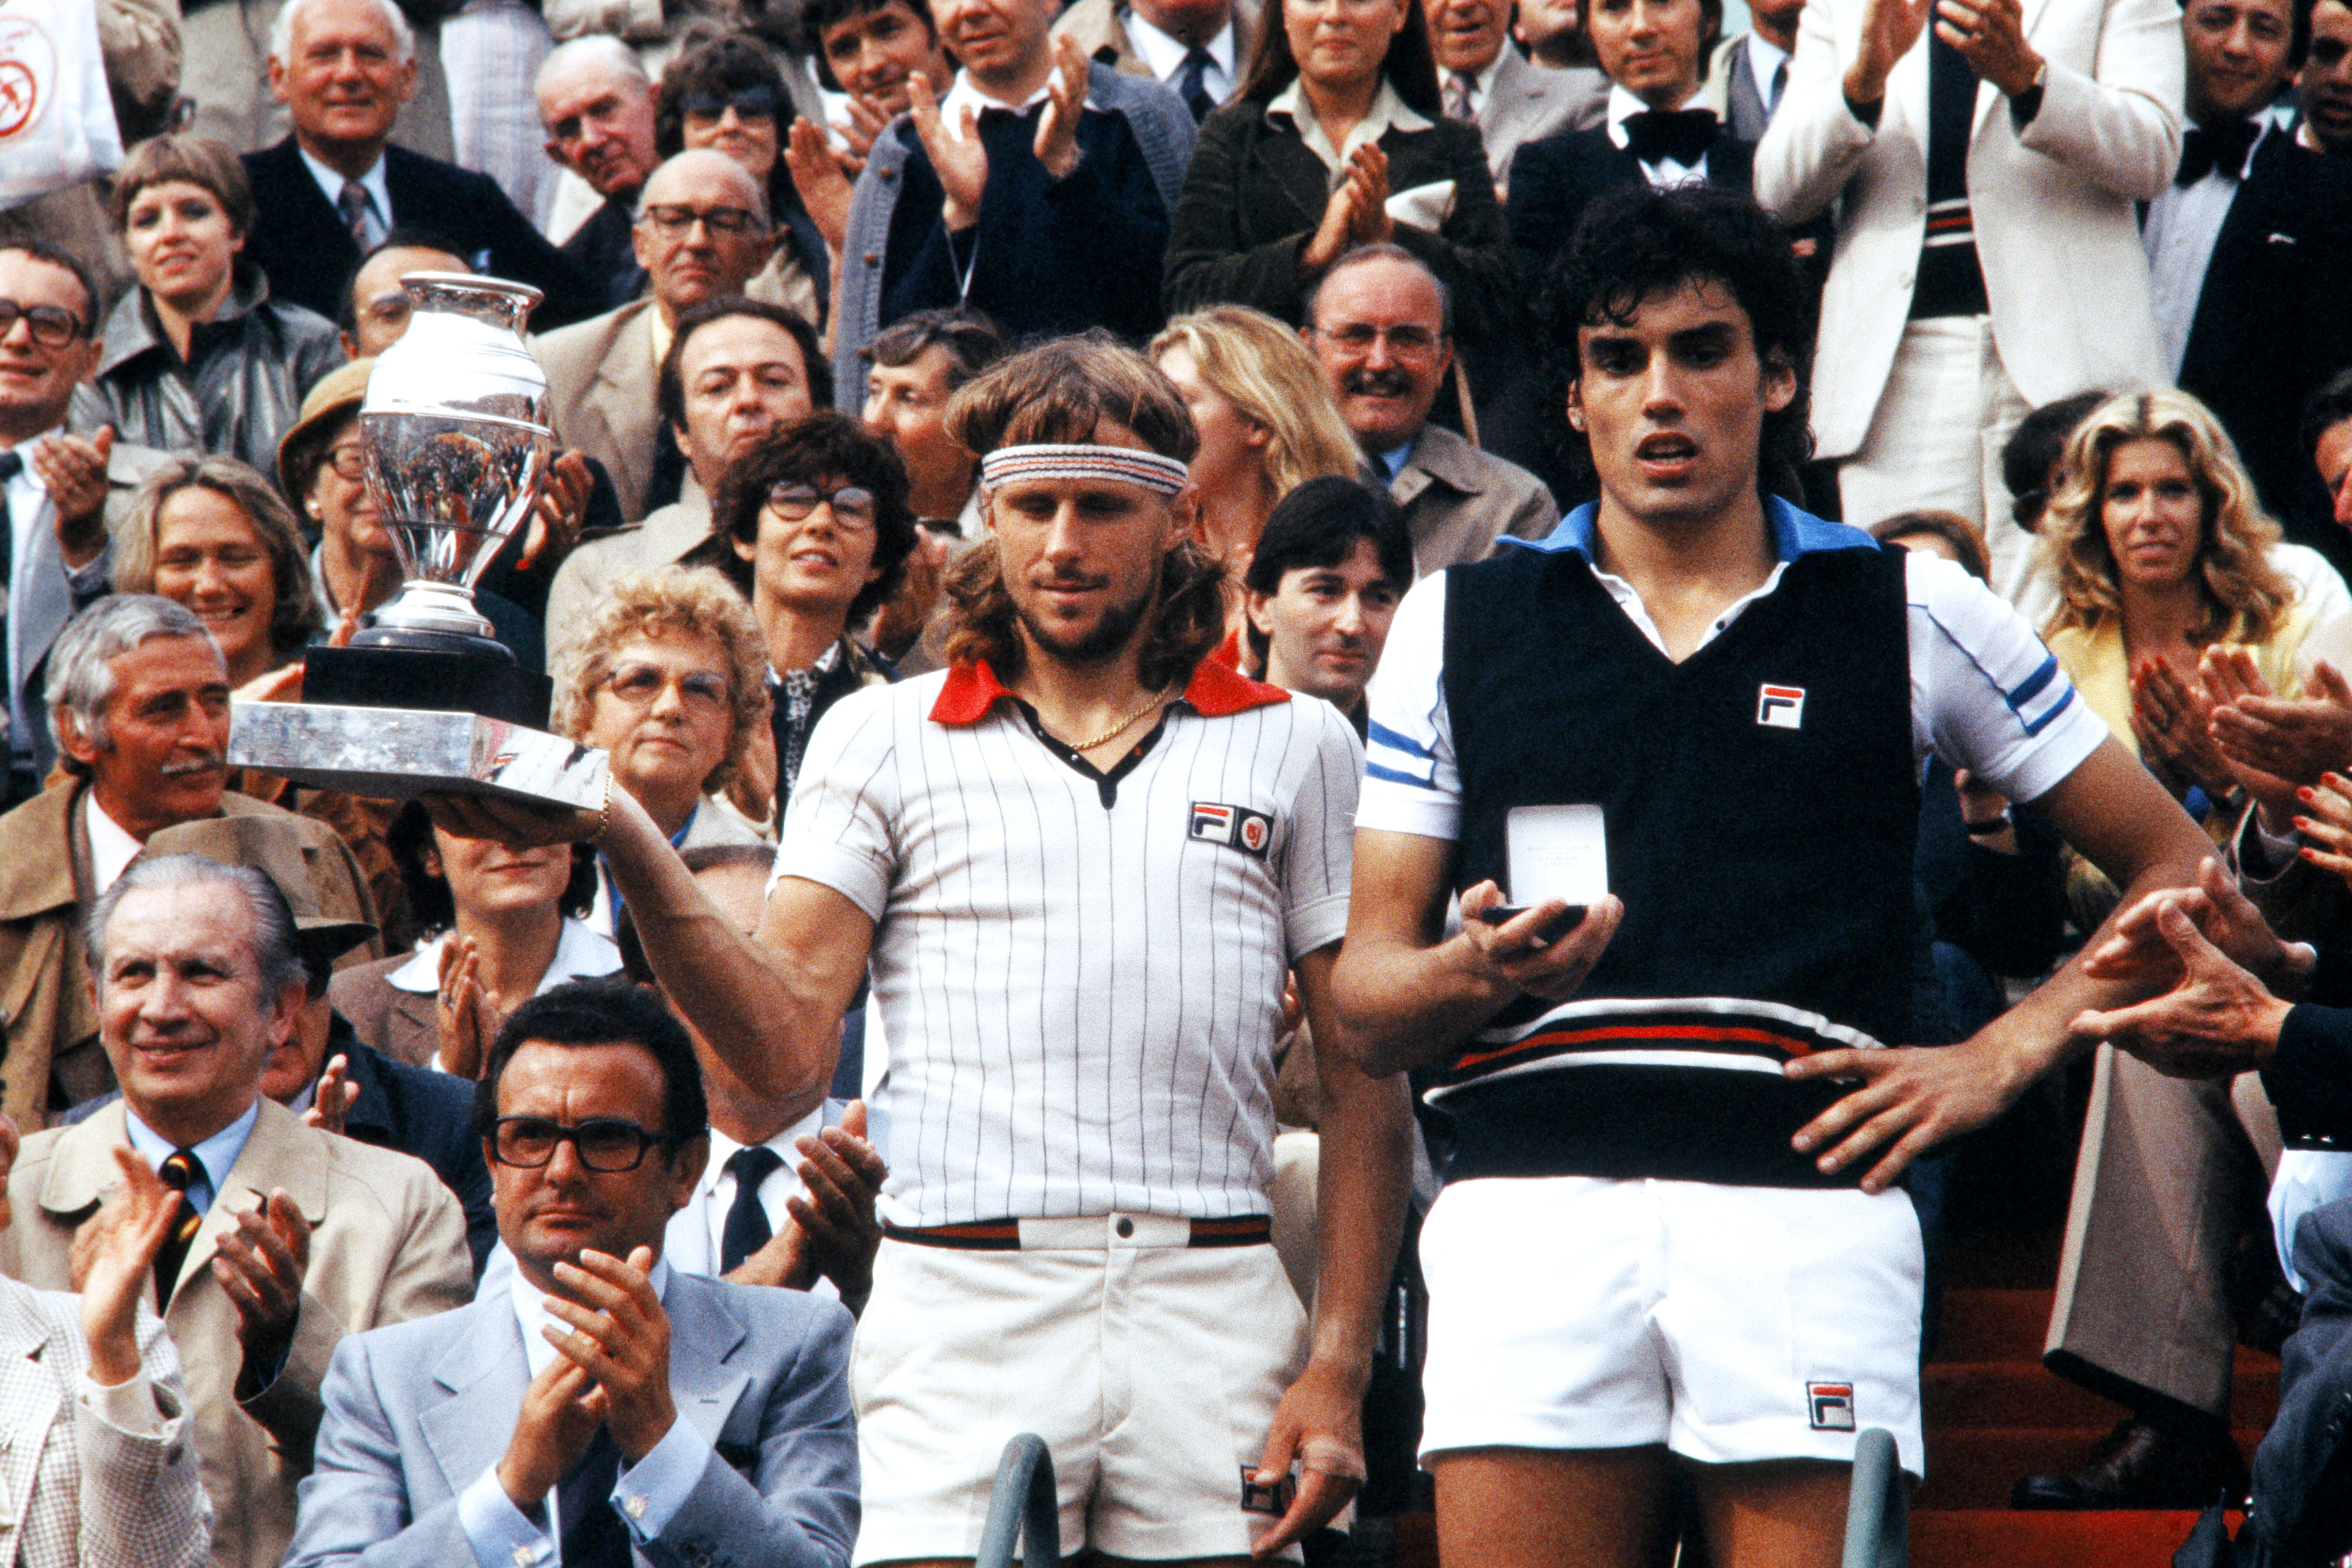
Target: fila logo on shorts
(1250, 832)
(1832, 1404)
(1781, 707)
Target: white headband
(1008, 465)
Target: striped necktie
(181, 1170)
(1457, 96)
(358, 210)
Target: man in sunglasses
(607, 1403)
(289, 1238)
(702, 231)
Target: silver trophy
(426, 700)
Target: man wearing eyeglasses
(702, 231)
(1381, 328)
(289, 1238)
(606, 1404)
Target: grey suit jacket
(601, 396)
(1529, 101)
(416, 1413)
(1730, 92)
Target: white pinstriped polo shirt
(1079, 975)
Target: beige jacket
(52, 1055)
(1457, 501)
(387, 1244)
(601, 396)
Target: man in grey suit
(633, 1412)
(1745, 79)
(1485, 82)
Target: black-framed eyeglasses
(53, 326)
(794, 499)
(675, 219)
(756, 103)
(602, 1144)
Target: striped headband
(1008, 465)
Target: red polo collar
(1216, 691)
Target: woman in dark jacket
(198, 358)
(1340, 112)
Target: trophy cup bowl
(427, 699)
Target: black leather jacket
(237, 395)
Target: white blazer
(2057, 226)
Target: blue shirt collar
(219, 1153)
(1794, 532)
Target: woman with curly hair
(1266, 417)
(667, 673)
(2159, 549)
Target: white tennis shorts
(1732, 1324)
(1151, 1369)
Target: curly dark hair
(1636, 243)
(824, 445)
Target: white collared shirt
(1388, 112)
(580, 954)
(112, 847)
(217, 1154)
(696, 1238)
(2184, 221)
(1664, 174)
(331, 182)
(1164, 55)
(968, 93)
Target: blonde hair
(668, 601)
(2246, 596)
(1261, 367)
(295, 617)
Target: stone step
(1962, 1394)
(1974, 1467)
(1976, 1538)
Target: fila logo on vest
(1781, 707)
(1248, 831)
(1832, 1404)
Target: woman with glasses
(322, 468)
(198, 358)
(728, 94)
(1337, 117)
(815, 531)
(667, 672)
(506, 924)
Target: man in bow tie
(2247, 248)
(1658, 128)
(1991, 154)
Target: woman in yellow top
(2161, 552)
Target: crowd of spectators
(1382, 432)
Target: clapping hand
(621, 1341)
(1991, 35)
(822, 181)
(116, 1253)
(74, 473)
(333, 1100)
(1065, 100)
(2170, 721)
(1357, 213)
(261, 1262)
(833, 1233)
(958, 159)
(2277, 745)
(559, 514)
(469, 1019)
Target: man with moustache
(139, 706)
(1180, 840)
(1381, 325)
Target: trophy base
(449, 671)
(398, 754)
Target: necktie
(180, 1170)
(1457, 96)
(592, 1534)
(1681, 135)
(359, 212)
(1780, 86)
(2224, 147)
(1192, 85)
(746, 1229)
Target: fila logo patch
(1832, 1404)
(1250, 832)
(1782, 706)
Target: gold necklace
(1124, 725)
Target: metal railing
(1876, 1526)
(1023, 1513)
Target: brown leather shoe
(2135, 1465)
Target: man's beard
(1097, 643)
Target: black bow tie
(1683, 135)
(2224, 147)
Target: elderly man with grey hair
(702, 231)
(334, 189)
(596, 104)
(138, 702)
(286, 1238)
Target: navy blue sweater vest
(1762, 802)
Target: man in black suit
(1658, 128)
(2249, 249)
(332, 190)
